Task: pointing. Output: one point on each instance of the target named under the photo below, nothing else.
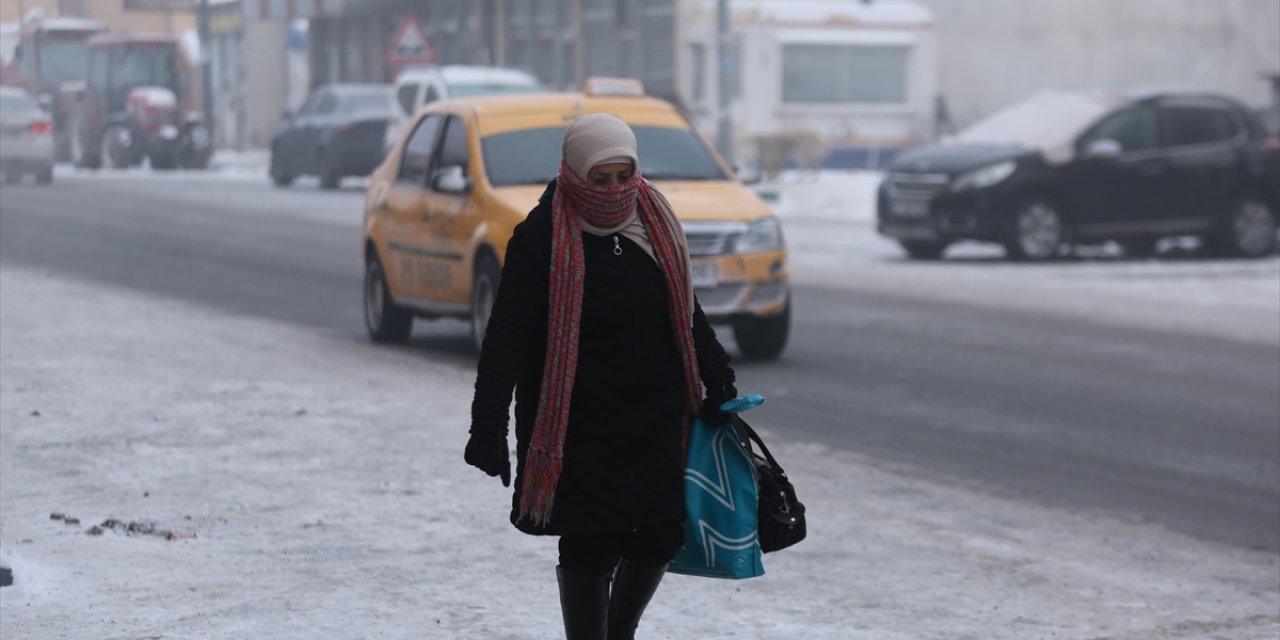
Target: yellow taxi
(440, 210)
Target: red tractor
(132, 107)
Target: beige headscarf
(600, 138)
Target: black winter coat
(623, 454)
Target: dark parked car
(336, 133)
(1076, 168)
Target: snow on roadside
(823, 195)
(323, 481)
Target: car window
(309, 107)
(1134, 129)
(1191, 125)
(367, 102)
(407, 96)
(432, 95)
(328, 104)
(454, 151)
(532, 156)
(416, 161)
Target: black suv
(1074, 168)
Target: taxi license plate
(911, 208)
(704, 274)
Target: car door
(1201, 137)
(287, 140)
(312, 132)
(449, 227)
(1114, 181)
(406, 208)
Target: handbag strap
(743, 428)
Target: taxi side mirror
(451, 180)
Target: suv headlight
(985, 177)
(761, 235)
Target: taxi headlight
(761, 235)
(985, 177)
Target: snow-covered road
(829, 226)
(323, 481)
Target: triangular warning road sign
(410, 44)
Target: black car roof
(1150, 94)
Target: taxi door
(449, 225)
(406, 207)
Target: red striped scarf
(607, 207)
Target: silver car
(26, 137)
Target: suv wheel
(385, 320)
(484, 291)
(1249, 232)
(1038, 231)
(329, 176)
(279, 175)
(763, 338)
(924, 250)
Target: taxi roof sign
(600, 86)
(410, 44)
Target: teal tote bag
(720, 494)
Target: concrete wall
(266, 87)
(994, 52)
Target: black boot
(633, 587)
(584, 601)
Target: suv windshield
(63, 61)
(532, 156)
(488, 89)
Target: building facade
(994, 52)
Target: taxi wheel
(385, 320)
(763, 338)
(483, 293)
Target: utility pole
(206, 65)
(579, 48)
(724, 73)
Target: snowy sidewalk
(324, 483)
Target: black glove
(489, 453)
(716, 396)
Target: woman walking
(596, 330)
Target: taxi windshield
(532, 156)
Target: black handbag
(780, 515)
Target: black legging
(597, 553)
